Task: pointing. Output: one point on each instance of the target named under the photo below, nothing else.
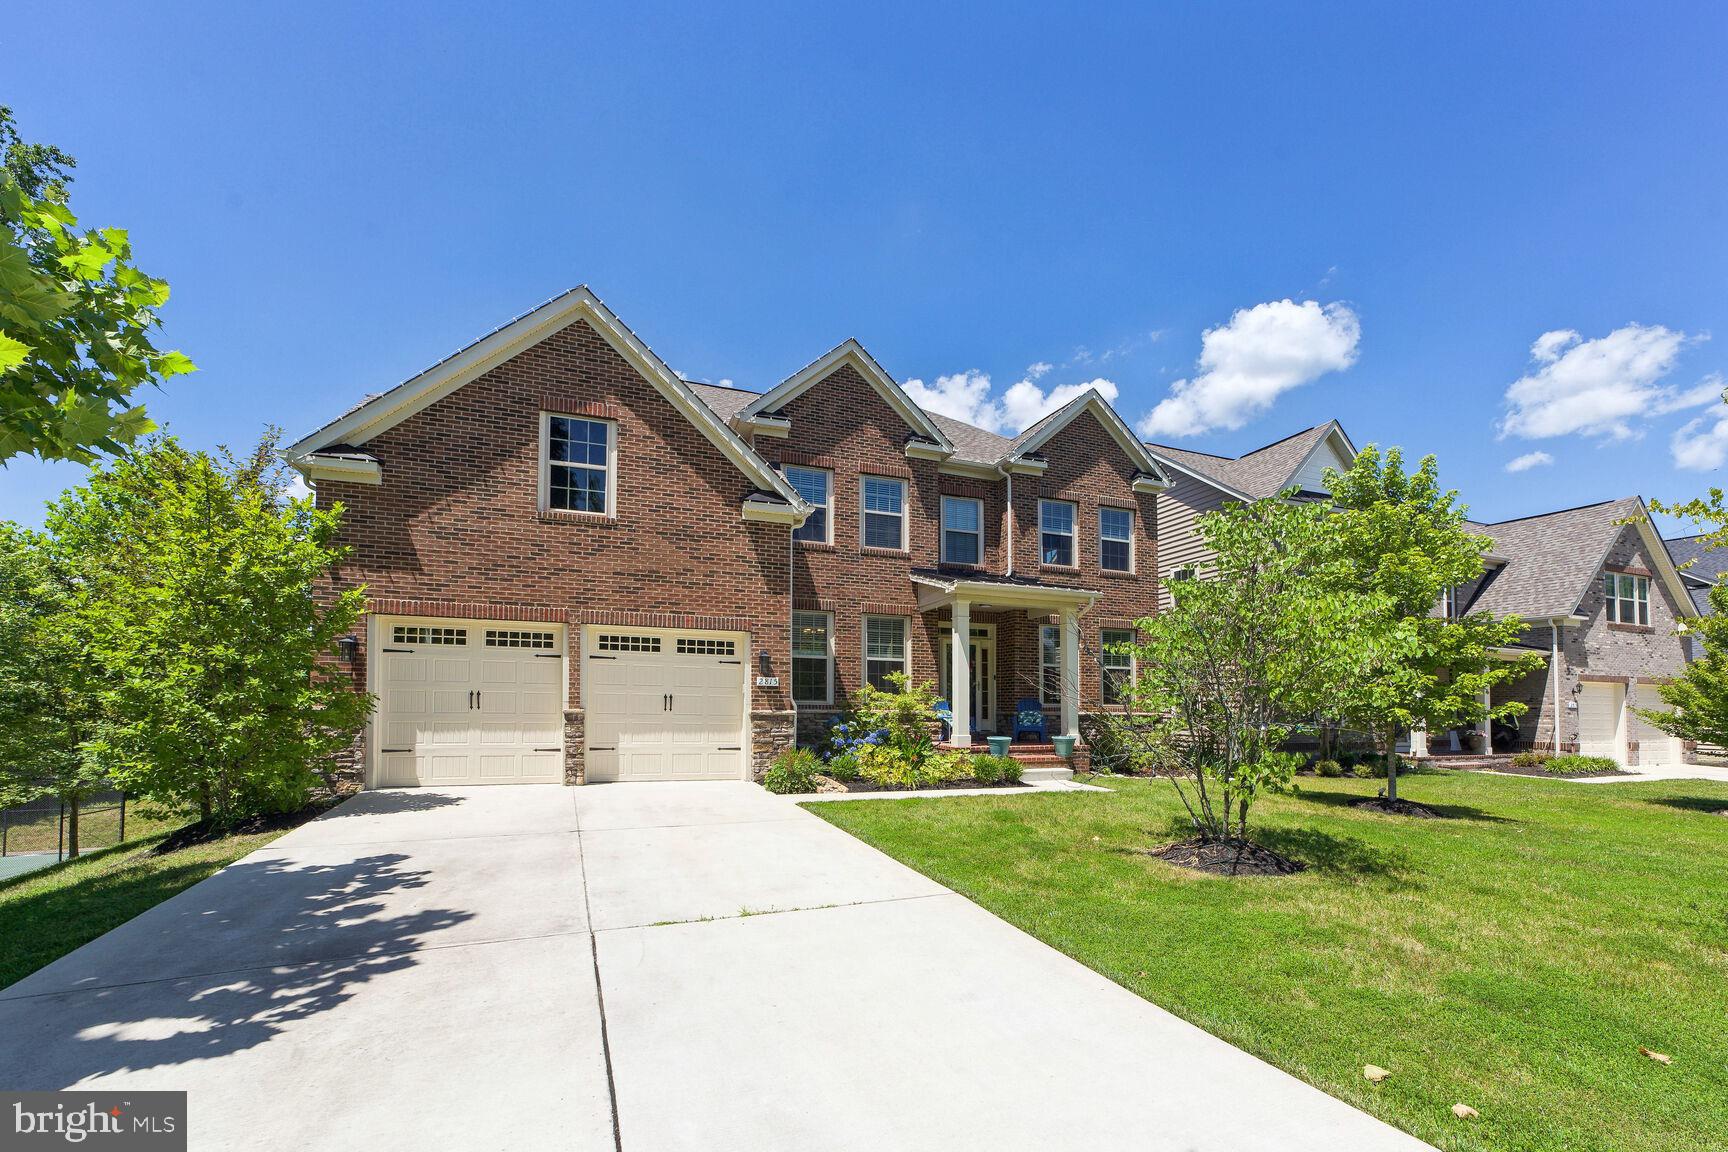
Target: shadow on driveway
(220, 968)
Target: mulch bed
(1520, 770)
(1398, 808)
(203, 833)
(1227, 858)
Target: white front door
(664, 704)
(469, 702)
(983, 662)
(1654, 745)
(1601, 721)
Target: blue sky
(341, 195)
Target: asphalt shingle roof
(1260, 473)
(1551, 558)
(1706, 563)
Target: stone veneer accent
(575, 735)
(771, 733)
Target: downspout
(1011, 525)
(1554, 671)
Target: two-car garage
(482, 702)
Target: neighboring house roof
(378, 413)
(1263, 472)
(1551, 559)
(1698, 563)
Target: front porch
(1036, 626)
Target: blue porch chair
(1029, 720)
(946, 715)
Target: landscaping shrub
(1531, 759)
(890, 767)
(842, 766)
(793, 771)
(988, 769)
(1329, 768)
(1111, 746)
(1576, 765)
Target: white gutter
(1554, 671)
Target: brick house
(1605, 654)
(581, 567)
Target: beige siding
(1311, 476)
(1179, 542)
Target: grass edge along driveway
(50, 912)
(1512, 958)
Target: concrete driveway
(494, 967)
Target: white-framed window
(1056, 533)
(884, 508)
(884, 648)
(578, 464)
(962, 530)
(1117, 662)
(1050, 664)
(816, 486)
(1628, 598)
(1116, 539)
(812, 658)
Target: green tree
(77, 318)
(198, 582)
(1246, 655)
(1698, 697)
(1403, 539)
(51, 711)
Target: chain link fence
(42, 827)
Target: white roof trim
(419, 392)
(853, 353)
(1092, 401)
(349, 469)
(1333, 429)
(935, 591)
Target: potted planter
(1064, 745)
(999, 745)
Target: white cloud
(968, 396)
(1528, 461)
(1248, 362)
(1701, 445)
(1039, 370)
(1600, 387)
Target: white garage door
(1600, 721)
(664, 705)
(474, 702)
(1654, 745)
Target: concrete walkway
(493, 968)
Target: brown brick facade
(456, 530)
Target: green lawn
(1513, 958)
(46, 914)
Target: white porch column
(960, 674)
(1486, 727)
(1418, 742)
(1071, 672)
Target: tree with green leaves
(52, 715)
(77, 318)
(1403, 539)
(1266, 636)
(1698, 697)
(196, 580)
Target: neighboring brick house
(581, 567)
(1550, 570)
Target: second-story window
(962, 530)
(577, 465)
(884, 512)
(1056, 533)
(814, 485)
(1116, 539)
(1628, 598)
